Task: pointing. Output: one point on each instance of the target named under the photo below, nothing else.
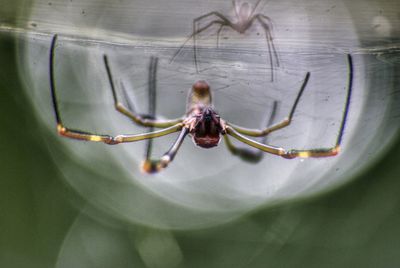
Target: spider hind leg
(149, 165)
(249, 154)
(266, 24)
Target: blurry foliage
(10, 11)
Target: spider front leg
(247, 154)
(218, 33)
(154, 166)
(224, 22)
(221, 19)
(284, 123)
(88, 136)
(318, 152)
(142, 120)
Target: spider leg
(130, 106)
(247, 154)
(152, 101)
(289, 154)
(271, 61)
(267, 26)
(235, 7)
(221, 19)
(218, 33)
(142, 120)
(268, 20)
(284, 123)
(317, 152)
(270, 26)
(273, 46)
(224, 22)
(195, 32)
(255, 7)
(153, 166)
(149, 165)
(87, 136)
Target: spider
(245, 153)
(201, 122)
(244, 20)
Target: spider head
(207, 128)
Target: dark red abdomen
(207, 141)
(207, 130)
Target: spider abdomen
(207, 129)
(207, 141)
(206, 134)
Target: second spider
(245, 17)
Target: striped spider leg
(150, 165)
(245, 18)
(169, 126)
(239, 132)
(251, 154)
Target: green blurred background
(357, 225)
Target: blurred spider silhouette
(245, 18)
(201, 122)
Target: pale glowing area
(158, 249)
(202, 187)
(382, 26)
